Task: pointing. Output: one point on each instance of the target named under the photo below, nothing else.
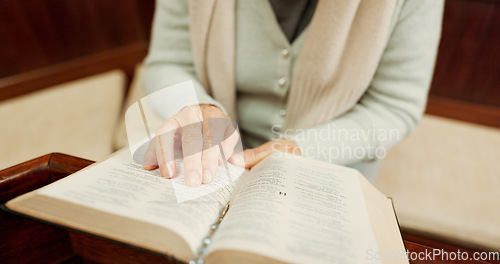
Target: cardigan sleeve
(394, 103)
(170, 60)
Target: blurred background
(69, 69)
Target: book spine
(208, 239)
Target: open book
(286, 209)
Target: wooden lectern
(25, 240)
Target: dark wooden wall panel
(39, 33)
(45, 42)
(490, 62)
(468, 64)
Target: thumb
(251, 157)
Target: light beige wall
(76, 118)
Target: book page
(122, 187)
(298, 210)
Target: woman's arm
(170, 59)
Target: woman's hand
(200, 129)
(251, 157)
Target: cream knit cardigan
(340, 55)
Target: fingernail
(150, 167)
(164, 172)
(207, 176)
(193, 179)
(170, 171)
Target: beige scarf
(338, 60)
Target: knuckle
(192, 111)
(213, 111)
(168, 126)
(187, 114)
(191, 138)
